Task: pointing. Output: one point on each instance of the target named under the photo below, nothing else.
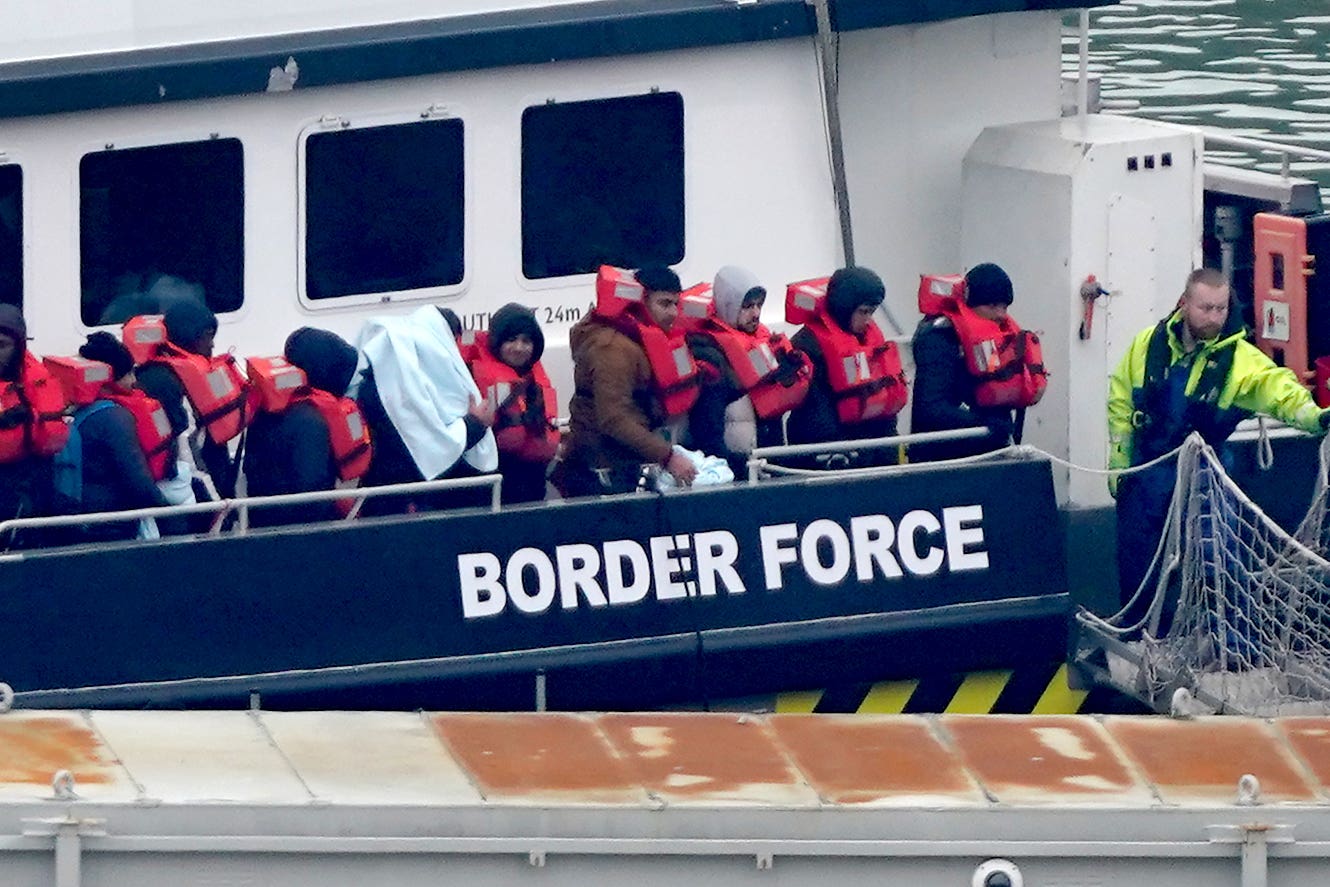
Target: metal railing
(758, 460)
(240, 506)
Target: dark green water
(1257, 68)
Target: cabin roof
(464, 41)
(654, 761)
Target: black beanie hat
(328, 360)
(513, 320)
(988, 284)
(109, 350)
(848, 289)
(186, 322)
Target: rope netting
(1236, 611)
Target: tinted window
(602, 182)
(11, 234)
(384, 208)
(159, 223)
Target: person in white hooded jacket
(426, 417)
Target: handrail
(757, 459)
(241, 505)
(1265, 146)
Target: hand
(682, 468)
(483, 410)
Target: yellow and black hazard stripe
(1039, 689)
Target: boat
(161, 797)
(322, 168)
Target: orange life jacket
(619, 300)
(275, 379)
(85, 381)
(35, 397)
(151, 426)
(758, 361)
(281, 385)
(865, 375)
(80, 379)
(220, 395)
(1006, 361)
(347, 430)
(511, 393)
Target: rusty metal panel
(1201, 761)
(1048, 759)
(370, 758)
(876, 760)
(539, 759)
(35, 746)
(1310, 741)
(707, 759)
(200, 756)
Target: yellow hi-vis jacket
(1255, 383)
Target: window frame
(160, 140)
(536, 284)
(24, 188)
(337, 123)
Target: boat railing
(240, 506)
(759, 461)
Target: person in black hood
(853, 297)
(291, 451)
(944, 390)
(509, 373)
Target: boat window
(11, 234)
(602, 183)
(384, 209)
(160, 223)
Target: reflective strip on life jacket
(215, 388)
(32, 413)
(348, 433)
(759, 363)
(151, 426)
(508, 391)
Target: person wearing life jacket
(758, 378)
(32, 426)
(843, 329)
(506, 366)
(426, 416)
(619, 412)
(947, 393)
(315, 439)
(1193, 371)
(124, 441)
(178, 374)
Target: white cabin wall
(757, 180)
(913, 98)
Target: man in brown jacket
(616, 416)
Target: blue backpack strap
(67, 466)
